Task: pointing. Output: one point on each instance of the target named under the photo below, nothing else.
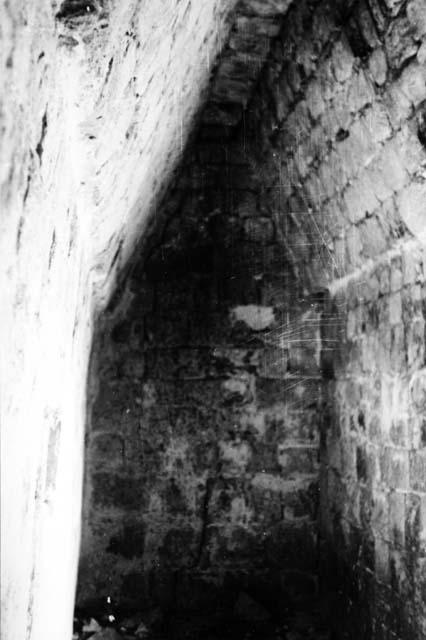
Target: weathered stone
(421, 54)
(394, 6)
(398, 104)
(400, 43)
(418, 471)
(377, 122)
(416, 15)
(360, 93)
(343, 60)
(412, 204)
(413, 83)
(213, 394)
(267, 8)
(418, 389)
(378, 66)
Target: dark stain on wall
(40, 143)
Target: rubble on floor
(249, 620)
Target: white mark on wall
(256, 317)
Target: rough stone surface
(97, 102)
(203, 444)
(303, 194)
(322, 180)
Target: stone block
(366, 25)
(306, 57)
(268, 9)
(297, 392)
(415, 339)
(394, 6)
(108, 449)
(397, 518)
(343, 60)
(303, 158)
(416, 15)
(412, 83)
(314, 99)
(395, 468)
(422, 522)
(412, 208)
(360, 198)
(380, 182)
(391, 167)
(340, 175)
(397, 348)
(412, 152)
(347, 158)
(421, 54)
(413, 522)
(340, 112)
(362, 464)
(380, 18)
(395, 308)
(361, 92)
(322, 27)
(380, 514)
(349, 457)
(378, 67)
(296, 461)
(418, 470)
(373, 237)
(283, 99)
(362, 144)
(398, 104)
(291, 547)
(259, 230)
(318, 140)
(418, 390)
(314, 190)
(129, 541)
(400, 43)
(116, 490)
(381, 559)
(377, 122)
(246, 205)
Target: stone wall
(373, 451)
(203, 445)
(326, 207)
(339, 122)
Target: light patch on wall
(240, 512)
(276, 484)
(175, 455)
(53, 452)
(236, 453)
(256, 317)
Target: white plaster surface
(94, 119)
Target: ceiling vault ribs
(256, 24)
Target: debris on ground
(247, 620)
